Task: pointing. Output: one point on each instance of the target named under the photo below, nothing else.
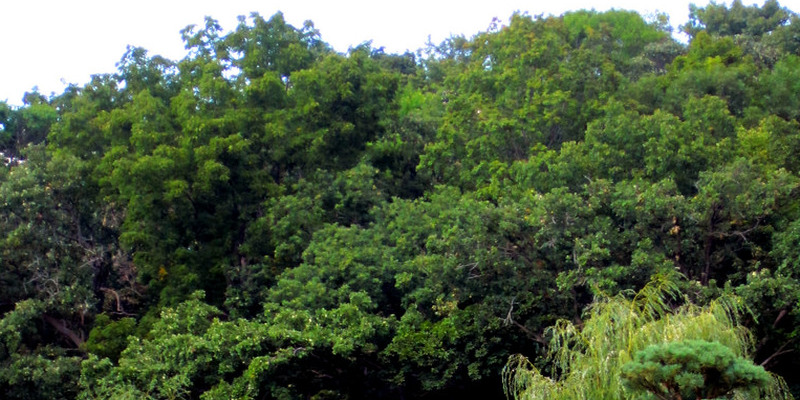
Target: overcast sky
(51, 43)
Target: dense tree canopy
(268, 218)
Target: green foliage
(48, 373)
(28, 371)
(26, 125)
(780, 83)
(535, 81)
(692, 369)
(373, 225)
(166, 365)
(627, 345)
(109, 338)
(739, 19)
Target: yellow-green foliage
(588, 360)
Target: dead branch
(61, 327)
(116, 295)
(777, 353)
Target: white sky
(48, 43)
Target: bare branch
(777, 353)
(116, 295)
(61, 327)
(780, 317)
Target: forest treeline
(268, 218)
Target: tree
(54, 265)
(620, 335)
(692, 369)
(368, 224)
(738, 19)
(26, 125)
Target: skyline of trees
(268, 218)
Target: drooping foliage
(647, 345)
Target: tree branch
(116, 296)
(779, 352)
(61, 327)
(779, 317)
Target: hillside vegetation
(268, 218)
